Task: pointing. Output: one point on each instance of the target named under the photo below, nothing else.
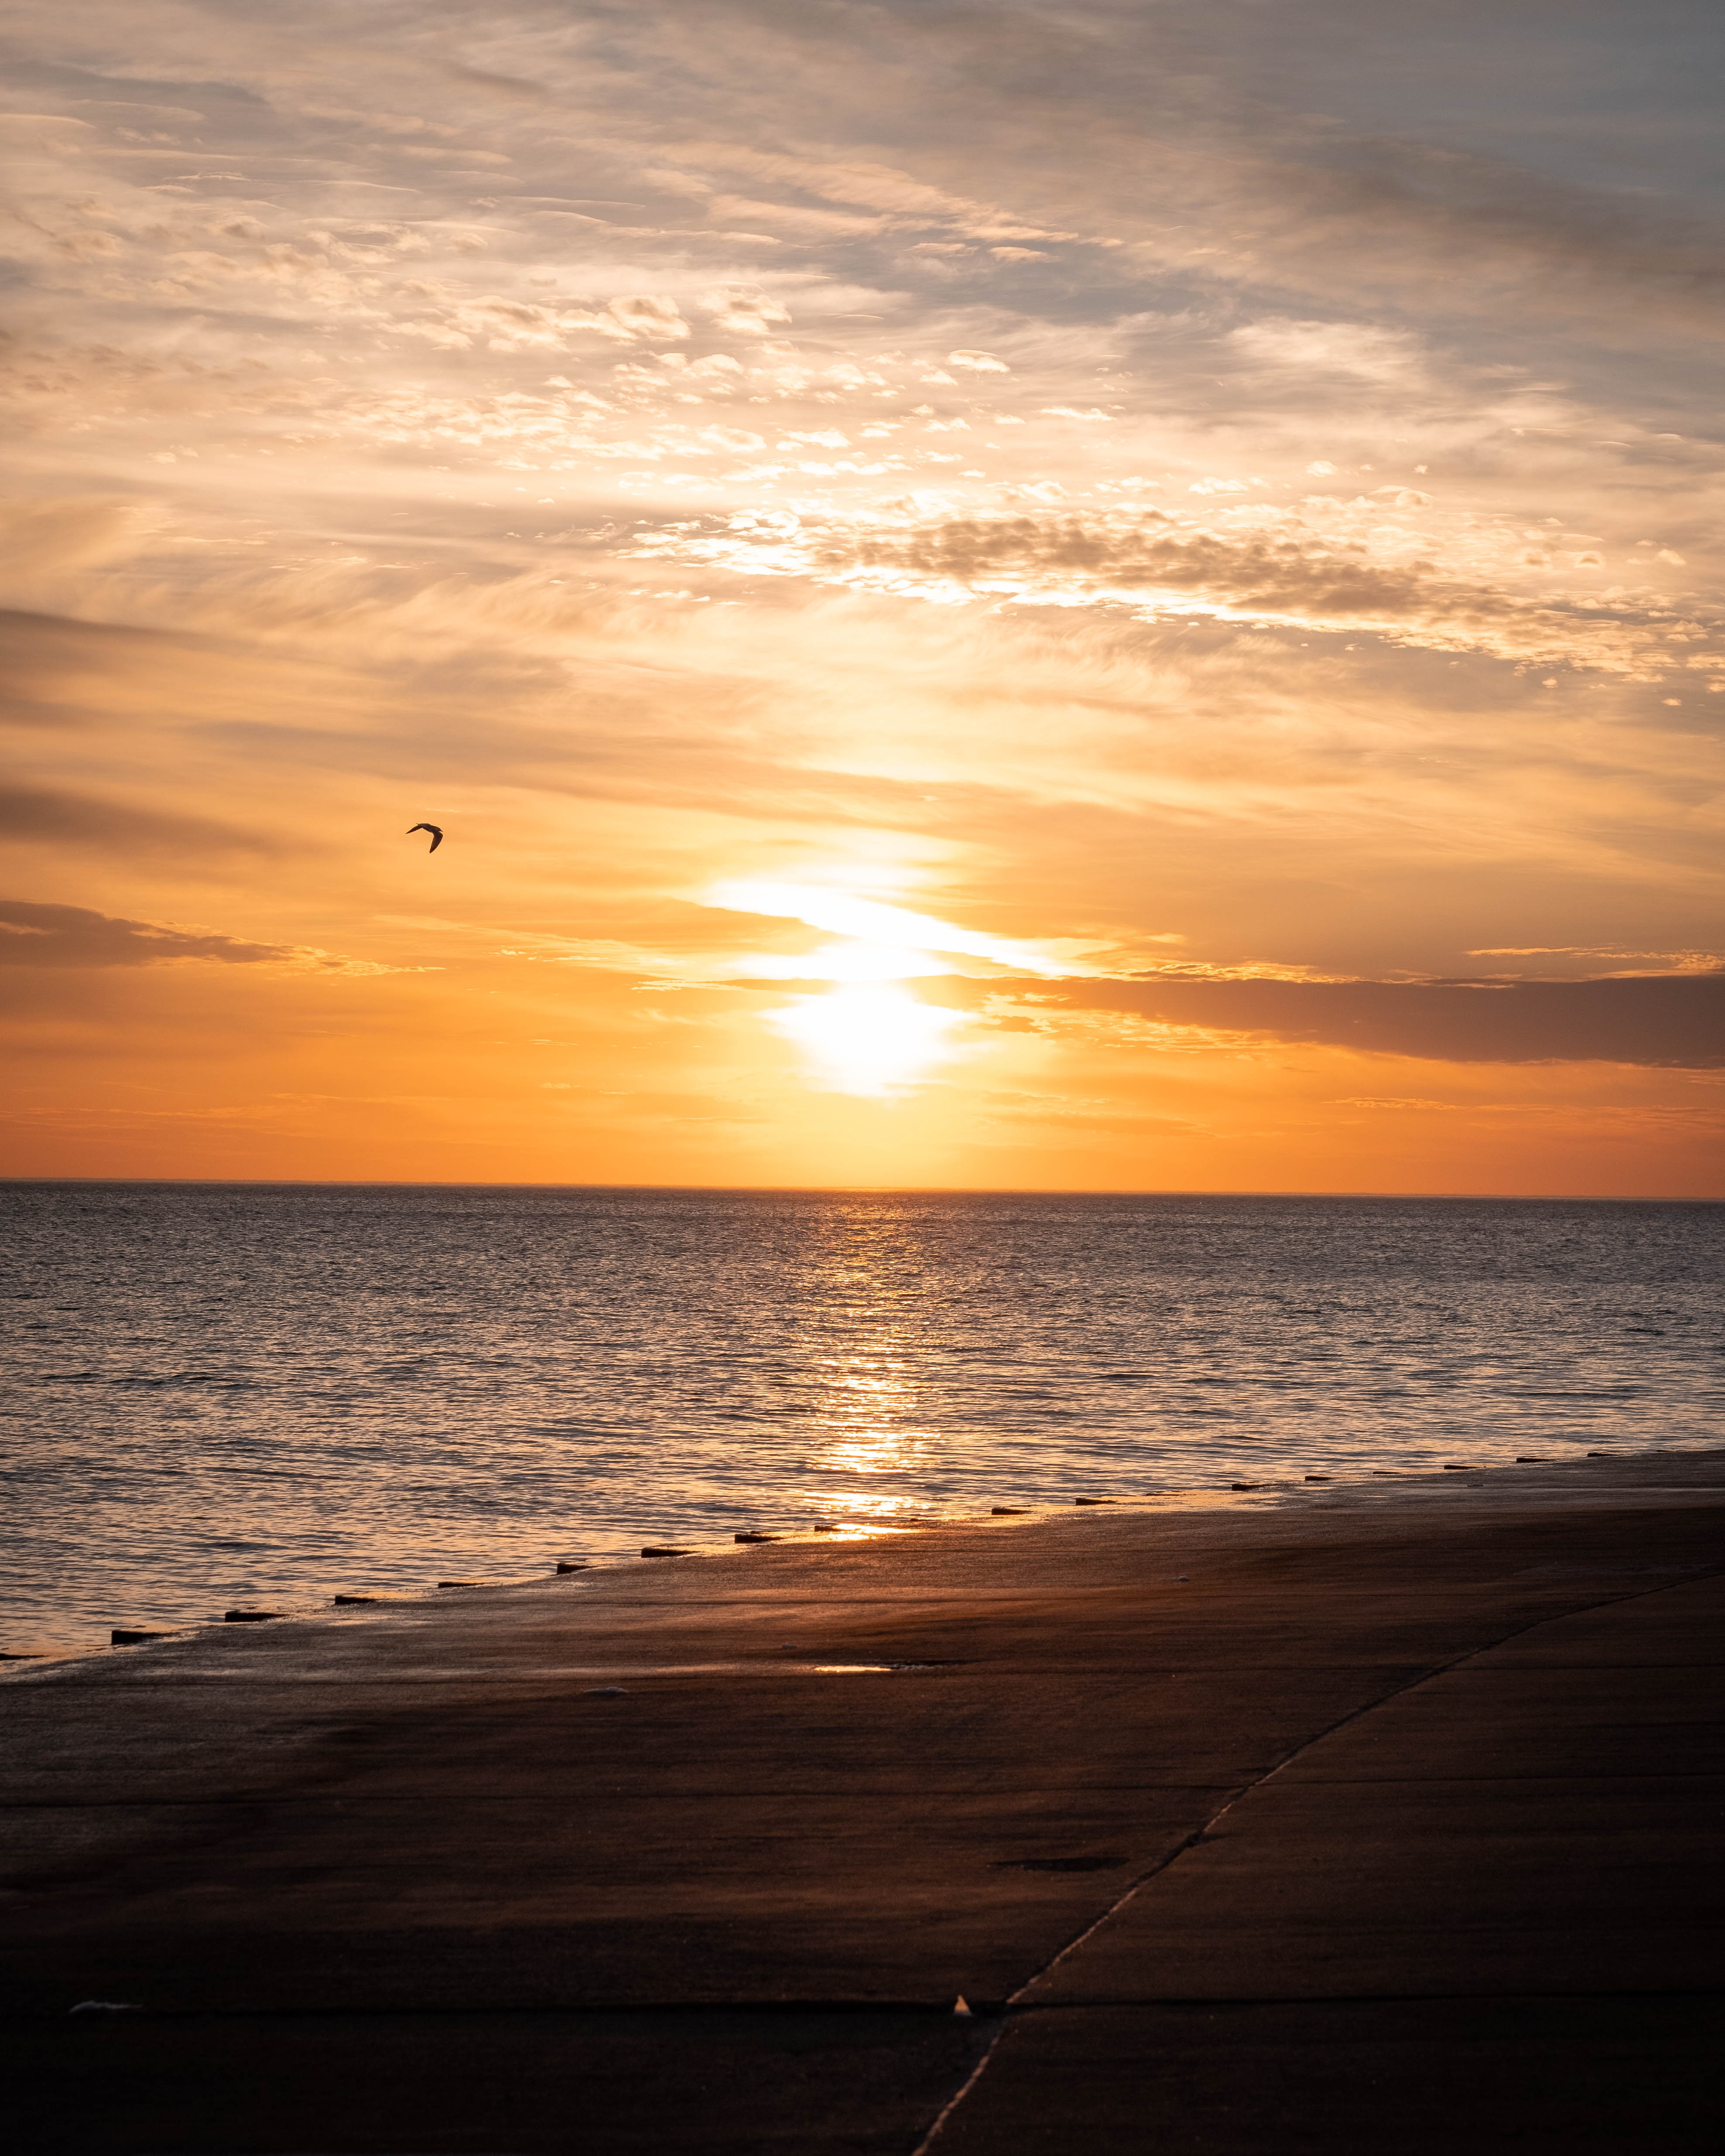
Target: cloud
(67, 531)
(32, 935)
(1676, 1021)
(1288, 574)
(909, 202)
(47, 663)
(1650, 961)
(40, 815)
(1347, 348)
(745, 309)
(342, 553)
(75, 937)
(891, 927)
(49, 543)
(507, 324)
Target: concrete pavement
(1405, 1786)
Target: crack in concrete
(1017, 2003)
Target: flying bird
(436, 831)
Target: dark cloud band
(67, 936)
(1675, 1020)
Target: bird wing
(436, 831)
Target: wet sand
(1373, 1817)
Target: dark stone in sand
(750, 1538)
(1530, 1459)
(1092, 1501)
(663, 1549)
(127, 1635)
(341, 1598)
(1457, 1467)
(582, 1566)
(1318, 1478)
(1017, 1512)
(1245, 1486)
(248, 1616)
(458, 1582)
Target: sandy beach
(1373, 1816)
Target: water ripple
(393, 1385)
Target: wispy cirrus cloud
(1286, 572)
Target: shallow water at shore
(222, 1395)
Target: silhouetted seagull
(436, 831)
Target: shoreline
(1272, 1493)
(708, 1851)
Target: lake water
(217, 1395)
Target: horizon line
(857, 1189)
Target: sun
(868, 1034)
(871, 1038)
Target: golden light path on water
(871, 1436)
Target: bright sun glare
(867, 1036)
(868, 1040)
(870, 922)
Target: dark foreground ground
(1385, 1819)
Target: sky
(1119, 596)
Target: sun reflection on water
(875, 1458)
